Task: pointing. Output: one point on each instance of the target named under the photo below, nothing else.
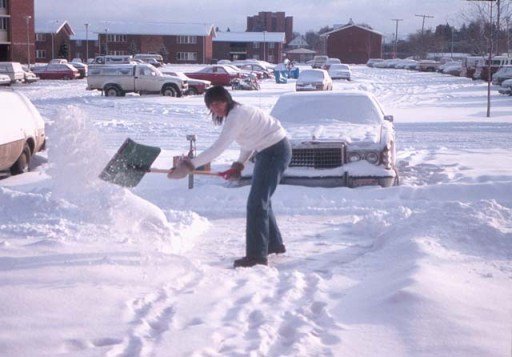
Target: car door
(221, 76)
(146, 79)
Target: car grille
(318, 157)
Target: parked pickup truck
(119, 79)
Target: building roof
(342, 28)
(304, 51)
(250, 37)
(134, 28)
(298, 41)
(51, 26)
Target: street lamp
(27, 19)
(264, 46)
(86, 42)
(106, 41)
(53, 37)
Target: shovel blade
(129, 165)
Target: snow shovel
(132, 161)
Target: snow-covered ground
(88, 268)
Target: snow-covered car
(30, 77)
(5, 80)
(338, 139)
(14, 70)
(502, 74)
(340, 71)
(22, 132)
(313, 80)
(506, 87)
(330, 61)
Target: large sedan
(56, 71)
(216, 74)
(22, 132)
(338, 139)
(313, 79)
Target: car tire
(22, 164)
(112, 91)
(169, 91)
(192, 91)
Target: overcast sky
(307, 14)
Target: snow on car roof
(351, 107)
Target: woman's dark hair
(219, 94)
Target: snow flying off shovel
(132, 161)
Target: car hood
(351, 134)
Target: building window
(186, 56)
(187, 39)
(271, 45)
(40, 54)
(4, 23)
(255, 45)
(117, 53)
(116, 38)
(3, 4)
(40, 37)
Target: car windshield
(315, 109)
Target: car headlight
(372, 157)
(354, 156)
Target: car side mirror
(389, 118)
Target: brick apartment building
(25, 38)
(17, 30)
(271, 22)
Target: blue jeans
(261, 230)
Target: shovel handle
(195, 172)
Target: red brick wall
(354, 45)
(20, 46)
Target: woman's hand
(234, 173)
(184, 168)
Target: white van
(112, 59)
(14, 70)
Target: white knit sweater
(250, 127)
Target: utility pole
(423, 30)
(396, 36)
(27, 19)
